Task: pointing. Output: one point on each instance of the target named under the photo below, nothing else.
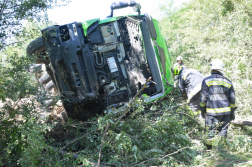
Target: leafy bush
(22, 141)
(241, 144)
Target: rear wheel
(37, 48)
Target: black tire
(45, 79)
(49, 86)
(37, 48)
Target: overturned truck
(101, 64)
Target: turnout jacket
(190, 82)
(217, 95)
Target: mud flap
(151, 57)
(151, 26)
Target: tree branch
(14, 6)
(133, 99)
(98, 163)
(152, 159)
(190, 117)
(182, 104)
(3, 5)
(77, 139)
(242, 122)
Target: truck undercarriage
(103, 68)
(102, 64)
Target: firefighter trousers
(217, 125)
(194, 104)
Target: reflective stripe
(196, 112)
(218, 110)
(211, 83)
(195, 90)
(208, 141)
(202, 104)
(187, 72)
(232, 105)
(218, 81)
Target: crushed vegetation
(162, 133)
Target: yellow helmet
(177, 70)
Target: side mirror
(124, 4)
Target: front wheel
(37, 48)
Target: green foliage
(14, 64)
(22, 141)
(13, 12)
(238, 143)
(15, 73)
(241, 144)
(143, 137)
(228, 7)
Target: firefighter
(189, 83)
(217, 102)
(179, 62)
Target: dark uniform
(217, 102)
(190, 85)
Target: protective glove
(172, 70)
(203, 114)
(184, 96)
(176, 78)
(232, 116)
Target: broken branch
(162, 157)
(75, 140)
(182, 104)
(130, 103)
(98, 163)
(242, 122)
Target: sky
(81, 10)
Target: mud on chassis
(101, 64)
